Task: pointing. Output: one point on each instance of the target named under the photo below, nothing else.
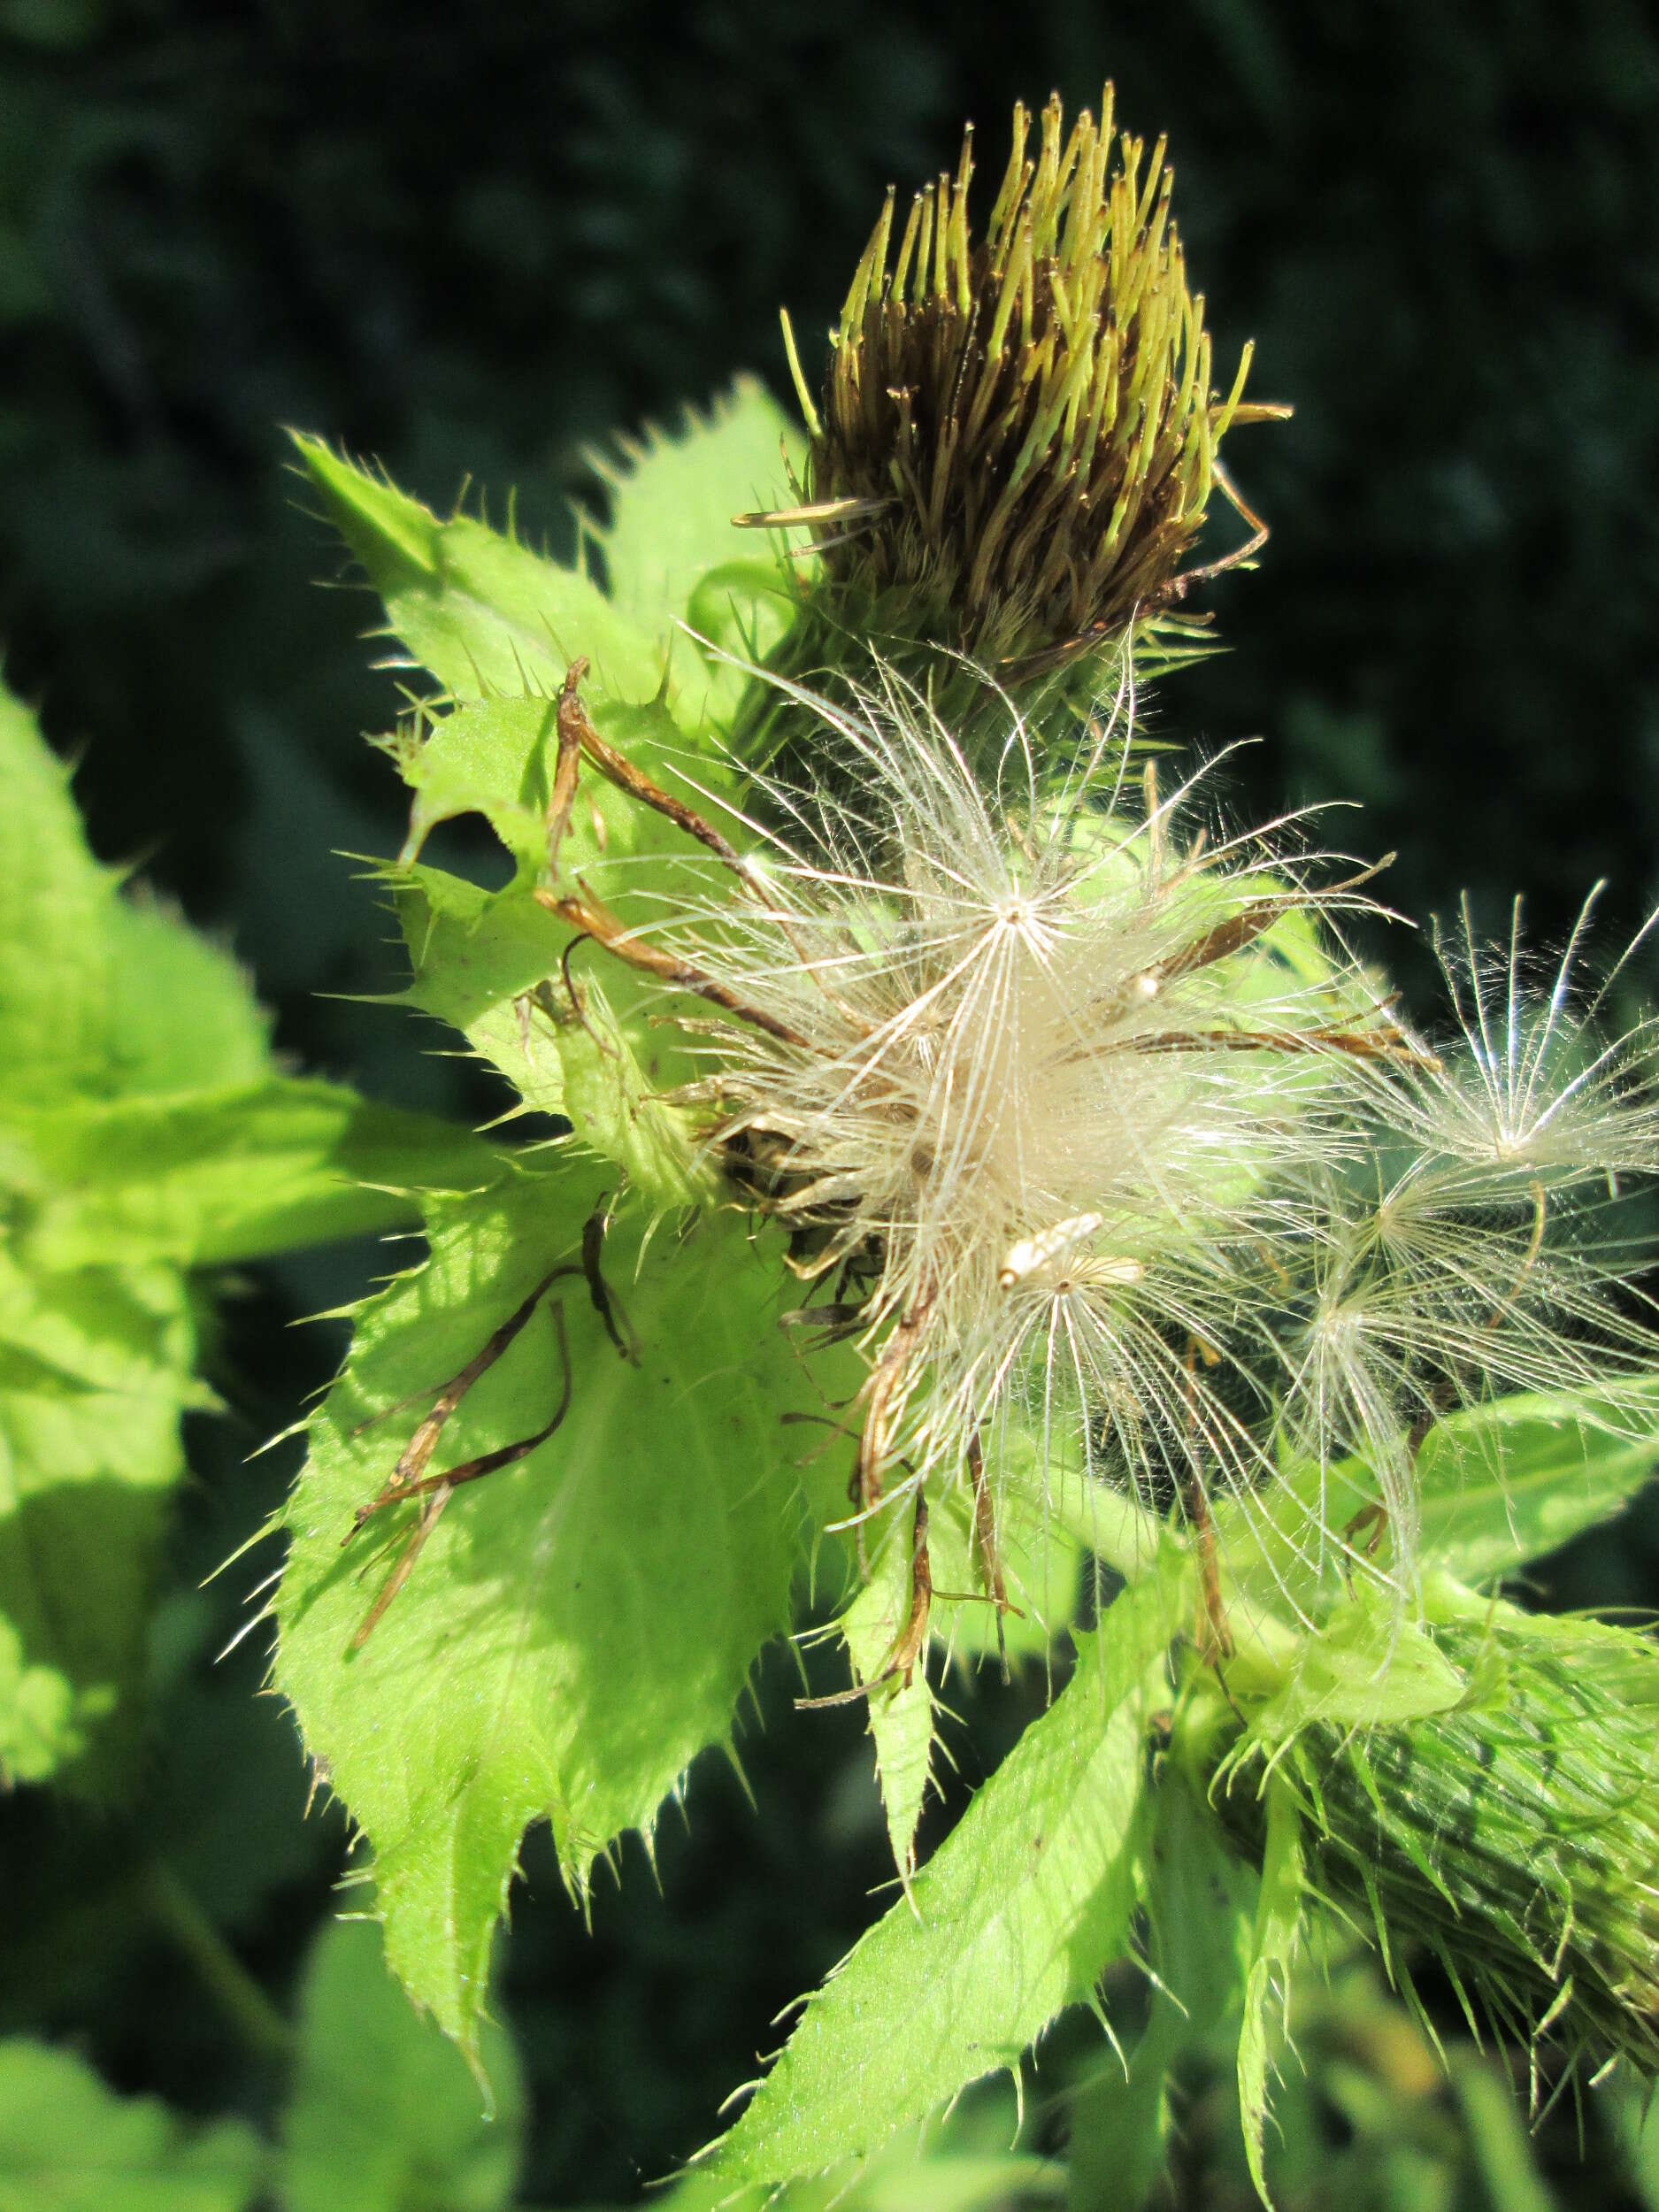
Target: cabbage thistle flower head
(1018, 436)
(1513, 1835)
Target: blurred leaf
(98, 996)
(1018, 1913)
(580, 1624)
(95, 1372)
(66, 2142)
(383, 2114)
(1498, 2138)
(210, 1178)
(1200, 1915)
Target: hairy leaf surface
(580, 1623)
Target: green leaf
(383, 2115)
(901, 1713)
(583, 1038)
(1513, 1481)
(68, 2143)
(212, 1178)
(1038, 1550)
(95, 1372)
(1200, 1917)
(100, 995)
(1273, 1951)
(1016, 1917)
(1499, 1484)
(482, 612)
(671, 505)
(671, 552)
(580, 1624)
(1367, 1667)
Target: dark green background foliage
(477, 239)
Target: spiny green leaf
(671, 552)
(580, 1036)
(672, 501)
(580, 1623)
(100, 995)
(1273, 1951)
(1017, 1915)
(900, 1712)
(482, 612)
(491, 965)
(95, 1372)
(383, 2115)
(214, 1177)
(69, 2143)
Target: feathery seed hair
(1106, 1139)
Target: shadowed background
(470, 242)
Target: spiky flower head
(1018, 438)
(1515, 1837)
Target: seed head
(1044, 1071)
(1109, 1143)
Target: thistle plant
(988, 1188)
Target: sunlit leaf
(1017, 1913)
(580, 1623)
(478, 608)
(220, 1176)
(95, 1372)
